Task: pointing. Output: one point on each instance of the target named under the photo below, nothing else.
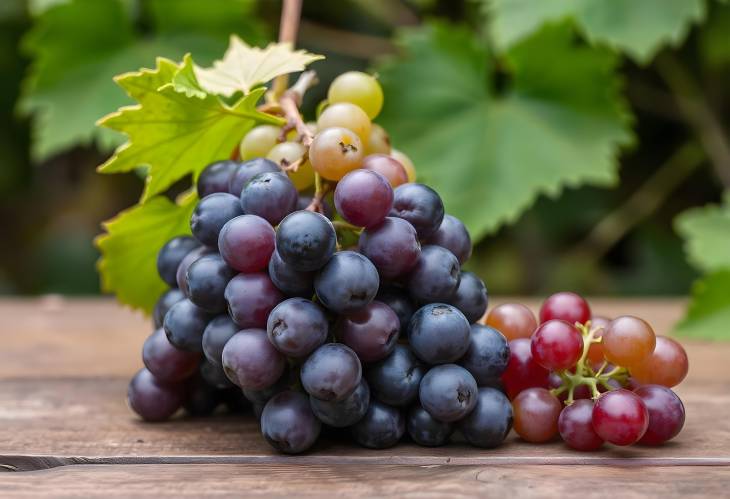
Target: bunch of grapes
(587, 378)
(356, 317)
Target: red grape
(513, 320)
(620, 417)
(566, 306)
(666, 366)
(522, 371)
(576, 426)
(246, 243)
(556, 345)
(388, 167)
(165, 362)
(363, 198)
(371, 331)
(666, 413)
(627, 341)
(536, 413)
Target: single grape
(216, 335)
(305, 240)
(381, 427)
(288, 423)
(248, 170)
(620, 417)
(439, 333)
(334, 152)
(363, 198)
(246, 243)
(170, 256)
(332, 372)
(448, 392)
(536, 413)
(421, 206)
(453, 235)
(392, 246)
(487, 356)
(667, 365)
(296, 327)
(522, 371)
(272, 196)
(285, 154)
(371, 331)
(167, 300)
(575, 425)
(152, 399)
(666, 414)
(628, 341)
(202, 399)
(348, 282)
(184, 325)
(259, 141)
(251, 361)
(166, 362)
(399, 301)
(215, 177)
(388, 167)
(215, 375)
(345, 412)
(491, 420)
(565, 306)
(357, 88)
(290, 281)
(513, 320)
(207, 278)
(250, 299)
(406, 162)
(211, 214)
(595, 351)
(470, 297)
(379, 142)
(181, 275)
(425, 430)
(395, 379)
(556, 345)
(348, 116)
(435, 277)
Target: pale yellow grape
(347, 116)
(379, 142)
(406, 162)
(335, 152)
(258, 142)
(287, 153)
(357, 88)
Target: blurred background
(569, 135)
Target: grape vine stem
(290, 102)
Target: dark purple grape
(270, 195)
(439, 333)
(250, 298)
(425, 430)
(246, 243)
(152, 399)
(211, 214)
(489, 423)
(305, 200)
(363, 198)
(332, 372)
(207, 278)
(184, 325)
(392, 246)
(448, 392)
(202, 399)
(666, 414)
(296, 327)
(421, 206)
(290, 281)
(395, 379)
(399, 301)
(575, 425)
(348, 282)
(487, 356)
(260, 397)
(215, 177)
(170, 256)
(216, 335)
(166, 362)
(248, 170)
(214, 375)
(306, 240)
(382, 426)
(167, 300)
(371, 331)
(288, 424)
(453, 236)
(185, 263)
(435, 277)
(470, 297)
(345, 412)
(251, 361)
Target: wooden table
(65, 430)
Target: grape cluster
(587, 378)
(358, 317)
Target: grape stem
(290, 102)
(320, 191)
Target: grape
(348, 282)
(248, 170)
(290, 281)
(453, 236)
(170, 256)
(487, 356)
(260, 397)
(184, 325)
(334, 152)
(439, 333)
(152, 399)
(425, 430)
(345, 412)
(214, 375)
(251, 361)
(399, 301)
(556, 345)
(215, 177)
(435, 277)
(166, 362)
(491, 420)
(258, 142)
(246, 243)
(250, 298)
(363, 198)
(628, 341)
(667, 365)
(406, 162)
(513, 320)
(202, 399)
(381, 427)
(522, 371)
(216, 335)
(536, 413)
(182, 270)
(392, 246)
(565, 306)
(207, 278)
(296, 327)
(378, 142)
(285, 154)
(575, 425)
(421, 206)
(620, 417)
(666, 414)
(470, 297)
(167, 300)
(357, 88)
(305, 240)
(595, 351)
(211, 214)
(395, 379)
(348, 116)
(388, 167)
(288, 423)
(448, 392)
(371, 331)
(272, 196)
(332, 372)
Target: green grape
(379, 141)
(406, 162)
(335, 152)
(258, 142)
(348, 116)
(286, 153)
(357, 88)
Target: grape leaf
(713, 37)
(708, 313)
(489, 153)
(706, 231)
(128, 263)
(637, 27)
(243, 67)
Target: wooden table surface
(65, 430)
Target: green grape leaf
(706, 232)
(557, 120)
(243, 67)
(708, 313)
(713, 37)
(128, 263)
(638, 28)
